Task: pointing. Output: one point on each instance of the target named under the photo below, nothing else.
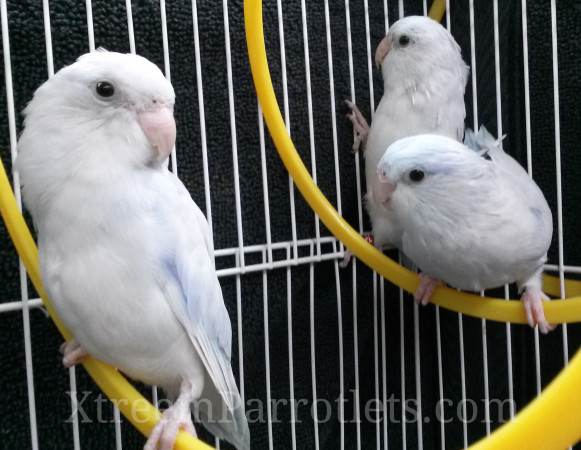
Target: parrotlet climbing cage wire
(558, 409)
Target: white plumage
(423, 92)
(470, 217)
(126, 255)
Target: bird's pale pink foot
(360, 126)
(72, 353)
(426, 289)
(532, 299)
(177, 417)
(348, 255)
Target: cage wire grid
(304, 329)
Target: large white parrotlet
(424, 78)
(469, 215)
(126, 255)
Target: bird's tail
(481, 141)
(229, 424)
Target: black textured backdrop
(69, 37)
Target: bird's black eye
(486, 156)
(104, 89)
(417, 175)
(404, 40)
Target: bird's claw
(346, 259)
(72, 353)
(177, 417)
(360, 126)
(348, 255)
(426, 288)
(533, 303)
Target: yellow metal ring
(553, 420)
(131, 403)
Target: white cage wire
(242, 259)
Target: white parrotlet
(469, 216)
(424, 78)
(126, 255)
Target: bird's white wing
(196, 298)
(511, 173)
(199, 304)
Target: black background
(69, 38)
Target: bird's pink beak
(382, 188)
(382, 50)
(159, 127)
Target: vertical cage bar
(291, 187)
(360, 222)
(440, 411)
(558, 169)
(383, 363)
(167, 70)
(165, 43)
(310, 114)
(48, 38)
(499, 134)
(130, 30)
(240, 340)
(16, 185)
(333, 112)
(233, 135)
(485, 373)
(369, 60)
(353, 99)
(74, 408)
(341, 355)
(437, 313)
(525, 44)
(201, 112)
(117, 420)
(417, 354)
(473, 67)
(402, 324)
(90, 31)
(267, 353)
(291, 377)
(385, 16)
(265, 199)
(475, 127)
(356, 355)
(509, 360)
(313, 357)
(463, 381)
(402, 352)
(376, 359)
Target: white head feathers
(434, 156)
(418, 50)
(85, 122)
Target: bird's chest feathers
(430, 224)
(85, 225)
(424, 106)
